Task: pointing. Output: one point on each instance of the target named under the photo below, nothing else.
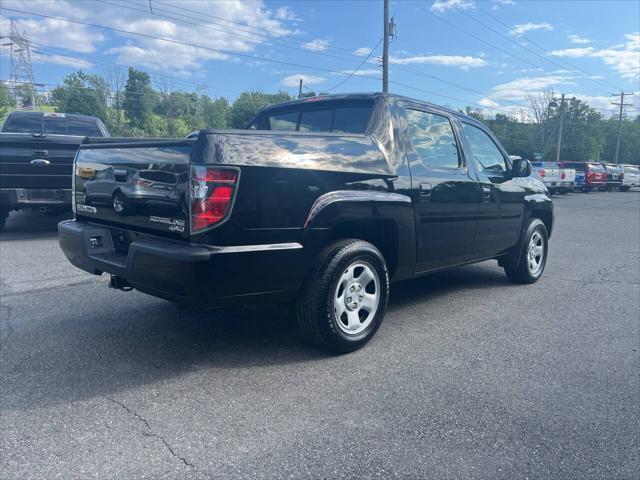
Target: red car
(589, 175)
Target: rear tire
(344, 300)
(527, 264)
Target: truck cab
(320, 202)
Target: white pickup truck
(567, 180)
(549, 174)
(631, 178)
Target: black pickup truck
(320, 202)
(36, 157)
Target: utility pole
(300, 89)
(385, 49)
(622, 105)
(560, 129)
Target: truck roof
(364, 96)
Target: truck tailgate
(142, 186)
(37, 162)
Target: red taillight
(562, 176)
(212, 192)
(542, 172)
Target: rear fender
(382, 218)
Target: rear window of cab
(332, 118)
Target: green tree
(216, 113)
(82, 93)
(7, 102)
(139, 98)
(248, 103)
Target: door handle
(41, 153)
(425, 188)
(40, 162)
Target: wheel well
(383, 234)
(546, 217)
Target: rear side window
(351, 119)
(316, 121)
(283, 121)
(23, 124)
(83, 128)
(432, 139)
(484, 151)
(55, 126)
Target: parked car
(631, 177)
(321, 202)
(567, 179)
(549, 174)
(589, 175)
(36, 157)
(615, 175)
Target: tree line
(132, 106)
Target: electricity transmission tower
(21, 78)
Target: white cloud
(501, 3)
(285, 13)
(294, 80)
(523, 28)
(463, 62)
(362, 51)
(624, 58)
(441, 6)
(149, 53)
(64, 60)
(518, 89)
(578, 39)
(487, 102)
(573, 52)
(56, 33)
(317, 45)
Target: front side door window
(485, 153)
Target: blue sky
(489, 54)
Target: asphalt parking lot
(469, 376)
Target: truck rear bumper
(188, 273)
(16, 198)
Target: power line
(243, 55)
(456, 85)
(246, 28)
(225, 29)
(566, 63)
(480, 39)
(357, 68)
(43, 48)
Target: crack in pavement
(150, 432)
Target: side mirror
(520, 168)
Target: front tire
(527, 264)
(344, 301)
